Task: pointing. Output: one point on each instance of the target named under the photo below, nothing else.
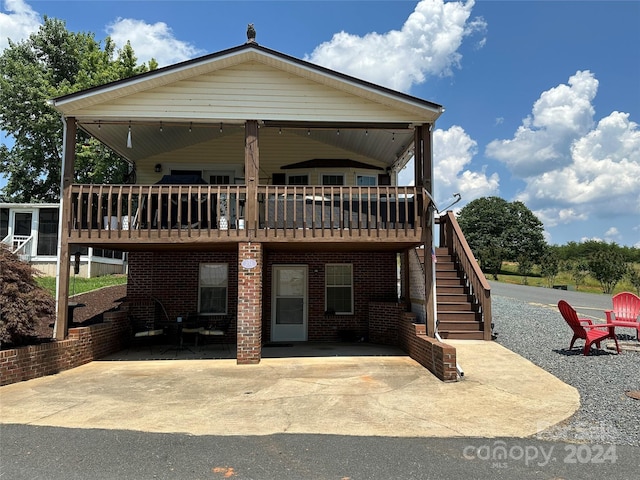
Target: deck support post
(64, 257)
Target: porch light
(220, 127)
(158, 167)
(129, 144)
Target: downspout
(433, 210)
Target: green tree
(50, 63)
(634, 278)
(550, 266)
(608, 267)
(525, 267)
(579, 272)
(497, 228)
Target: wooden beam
(64, 267)
(251, 172)
(418, 157)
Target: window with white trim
(212, 292)
(366, 180)
(339, 288)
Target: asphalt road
(589, 305)
(50, 453)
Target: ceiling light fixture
(129, 144)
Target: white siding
(248, 91)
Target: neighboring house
(31, 232)
(264, 191)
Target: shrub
(22, 302)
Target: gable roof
(247, 82)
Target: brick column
(249, 335)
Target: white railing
(21, 246)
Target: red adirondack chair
(626, 308)
(584, 328)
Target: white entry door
(289, 303)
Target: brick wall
(437, 357)
(172, 278)
(383, 322)
(417, 289)
(84, 345)
(374, 279)
(249, 334)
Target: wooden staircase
(458, 313)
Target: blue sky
(542, 98)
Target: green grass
(82, 285)
(508, 274)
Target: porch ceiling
(390, 144)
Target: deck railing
(165, 211)
(451, 236)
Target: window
(332, 179)
(213, 288)
(366, 180)
(4, 222)
(48, 232)
(339, 288)
(220, 179)
(298, 180)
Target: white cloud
(574, 170)
(151, 41)
(427, 45)
(560, 116)
(453, 151)
(604, 174)
(19, 23)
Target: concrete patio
(348, 389)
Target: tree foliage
(498, 231)
(634, 278)
(550, 266)
(607, 267)
(50, 63)
(22, 302)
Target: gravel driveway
(537, 332)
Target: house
(264, 191)
(31, 232)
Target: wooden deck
(126, 215)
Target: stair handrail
(452, 237)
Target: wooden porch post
(64, 258)
(417, 156)
(429, 265)
(251, 173)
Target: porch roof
(187, 103)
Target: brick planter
(84, 345)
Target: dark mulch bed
(96, 303)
